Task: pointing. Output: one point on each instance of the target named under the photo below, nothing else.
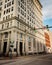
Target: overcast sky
(47, 12)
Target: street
(29, 60)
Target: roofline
(40, 3)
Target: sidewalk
(6, 60)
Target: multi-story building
(18, 18)
(50, 35)
(47, 41)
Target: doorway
(17, 48)
(4, 48)
(21, 53)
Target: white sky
(47, 8)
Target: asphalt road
(29, 60)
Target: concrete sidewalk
(8, 58)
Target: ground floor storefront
(19, 43)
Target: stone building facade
(18, 19)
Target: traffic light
(47, 27)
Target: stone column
(23, 44)
(13, 41)
(36, 46)
(2, 44)
(32, 44)
(26, 45)
(18, 44)
(7, 50)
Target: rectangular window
(8, 4)
(12, 9)
(4, 12)
(22, 12)
(19, 3)
(29, 48)
(2, 26)
(22, 1)
(9, 10)
(5, 6)
(11, 15)
(12, 1)
(0, 15)
(8, 16)
(5, 1)
(21, 35)
(7, 25)
(18, 9)
(3, 18)
(0, 3)
(0, 8)
(6, 35)
(8, 0)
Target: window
(6, 35)
(4, 12)
(34, 43)
(19, 3)
(8, 16)
(28, 17)
(8, 4)
(5, 6)
(22, 12)
(30, 14)
(18, 9)
(5, 1)
(8, 0)
(12, 1)
(25, 8)
(2, 26)
(0, 8)
(25, 14)
(29, 43)
(0, 45)
(0, 3)
(28, 11)
(9, 10)
(3, 18)
(22, 6)
(21, 35)
(29, 48)
(11, 15)
(7, 25)
(12, 9)
(18, 16)
(22, 1)
(11, 23)
(0, 15)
